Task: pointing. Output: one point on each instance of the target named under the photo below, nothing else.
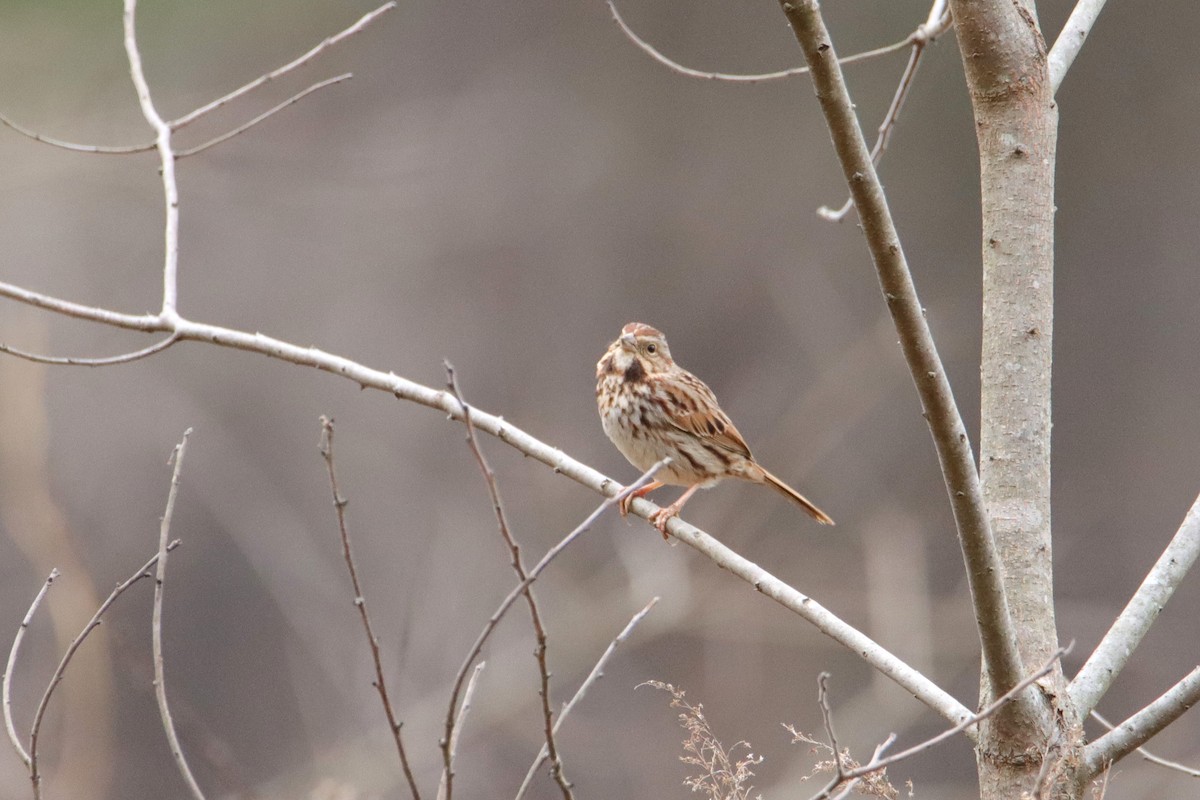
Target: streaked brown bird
(652, 408)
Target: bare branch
(984, 568)
(107, 361)
(360, 602)
(1142, 726)
(160, 573)
(596, 674)
(191, 151)
(878, 763)
(61, 670)
(518, 565)
(73, 146)
(166, 159)
(327, 43)
(937, 24)
(1110, 656)
(494, 620)
(888, 664)
(463, 710)
(675, 66)
(1070, 40)
(11, 666)
(1146, 754)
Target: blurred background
(505, 186)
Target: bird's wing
(694, 410)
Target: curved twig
(99, 149)
(245, 126)
(675, 66)
(106, 361)
(93, 623)
(160, 572)
(12, 663)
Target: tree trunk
(1016, 120)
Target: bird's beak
(628, 341)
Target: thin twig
(328, 42)
(596, 674)
(839, 773)
(61, 670)
(74, 147)
(518, 590)
(166, 160)
(1142, 726)
(1146, 754)
(985, 570)
(468, 695)
(1110, 656)
(1070, 40)
(886, 662)
(937, 24)
(877, 763)
(518, 565)
(853, 782)
(11, 666)
(675, 66)
(245, 126)
(360, 602)
(107, 361)
(160, 573)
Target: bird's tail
(816, 513)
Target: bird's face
(639, 351)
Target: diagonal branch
(270, 112)
(324, 45)
(1110, 656)
(596, 674)
(61, 670)
(911, 679)
(1142, 726)
(1153, 759)
(448, 736)
(984, 568)
(518, 565)
(1070, 40)
(878, 763)
(939, 22)
(360, 602)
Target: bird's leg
(660, 518)
(642, 492)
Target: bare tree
(1029, 736)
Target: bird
(652, 408)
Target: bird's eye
(652, 348)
